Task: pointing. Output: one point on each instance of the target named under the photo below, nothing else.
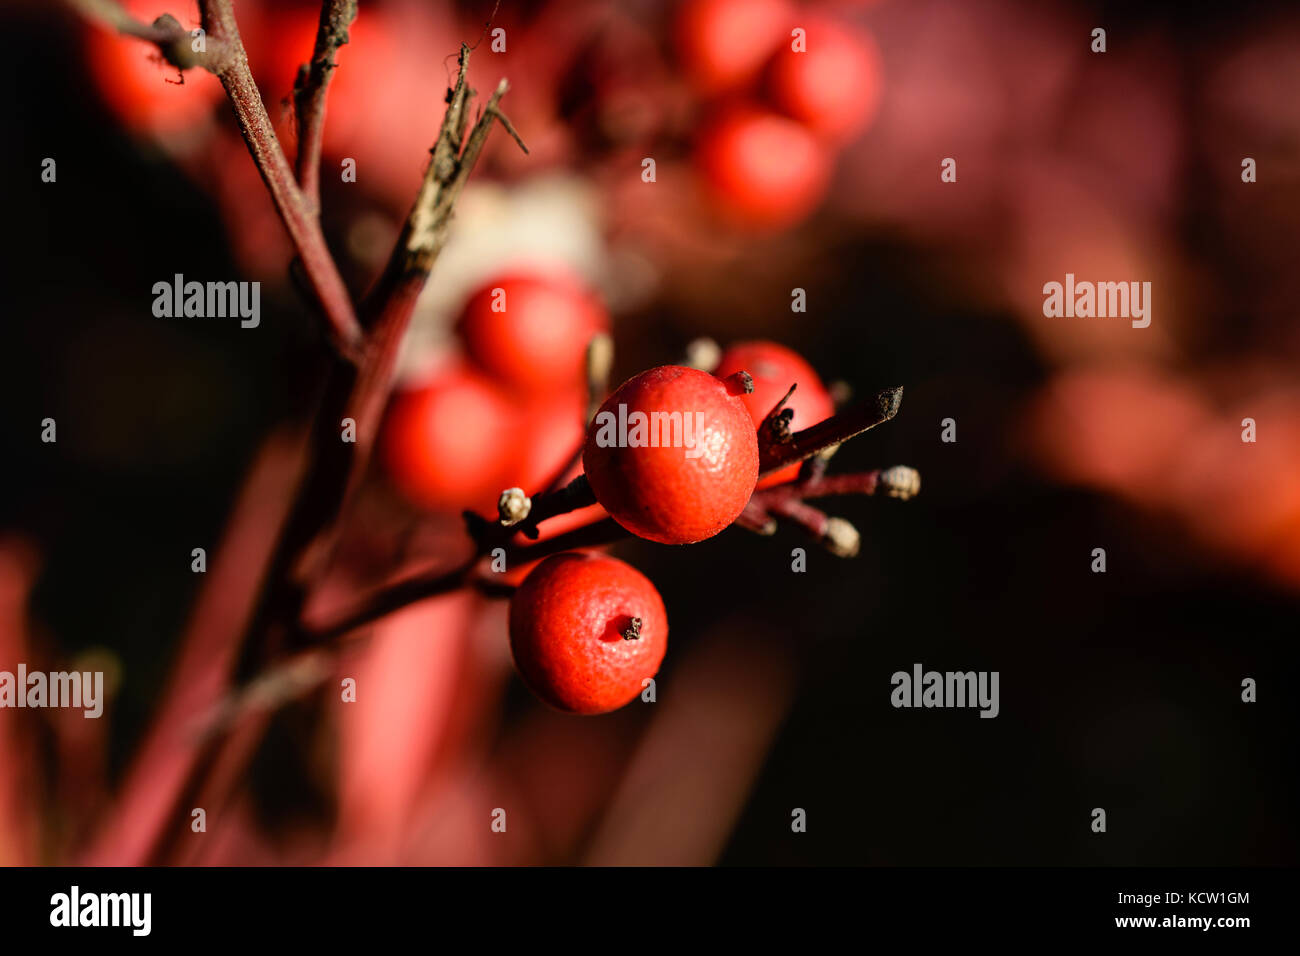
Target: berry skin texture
(530, 332)
(761, 169)
(774, 368)
(663, 493)
(567, 626)
(833, 87)
(723, 43)
(447, 445)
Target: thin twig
(174, 40)
(298, 216)
(454, 155)
(838, 428)
(311, 89)
(226, 59)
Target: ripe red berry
(672, 455)
(833, 85)
(447, 445)
(723, 43)
(586, 630)
(762, 169)
(774, 368)
(530, 331)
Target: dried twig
(833, 431)
(310, 90)
(386, 315)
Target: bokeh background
(1119, 690)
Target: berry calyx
(530, 331)
(672, 455)
(762, 169)
(586, 630)
(832, 86)
(774, 368)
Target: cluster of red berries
(587, 631)
(788, 87)
(510, 411)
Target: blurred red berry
(146, 92)
(530, 331)
(665, 484)
(833, 86)
(448, 444)
(762, 169)
(723, 43)
(586, 630)
(551, 432)
(774, 368)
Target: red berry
(833, 86)
(723, 43)
(763, 169)
(551, 431)
(672, 485)
(774, 368)
(531, 331)
(447, 445)
(586, 630)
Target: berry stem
(409, 589)
(788, 501)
